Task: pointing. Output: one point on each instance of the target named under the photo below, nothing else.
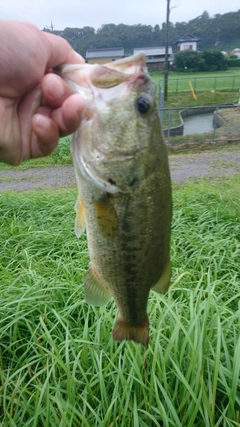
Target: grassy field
(205, 96)
(204, 81)
(59, 364)
(60, 156)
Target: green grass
(60, 156)
(178, 102)
(185, 99)
(59, 364)
(218, 81)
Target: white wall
(188, 46)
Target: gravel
(183, 167)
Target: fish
(124, 189)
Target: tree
(209, 60)
(130, 36)
(213, 61)
(188, 60)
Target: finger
(55, 90)
(69, 116)
(45, 136)
(48, 125)
(60, 51)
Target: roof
(152, 51)
(187, 38)
(105, 53)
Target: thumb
(60, 51)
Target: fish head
(119, 118)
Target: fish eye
(142, 105)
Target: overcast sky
(94, 13)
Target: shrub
(188, 60)
(213, 60)
(233, 63)
(208, 60)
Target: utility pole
(166, 53)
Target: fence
(204, 83)
(194, 126)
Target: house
(155, 56)
(187, 42)
(236, 52)
(102, 56)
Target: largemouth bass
(124, 200)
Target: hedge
(233, 63)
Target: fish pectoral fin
(162, 284)
(95, 292)
(106, 217)
(80, 217)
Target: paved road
(183, 167)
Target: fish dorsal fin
(162, 284)
(95, 292)
(130, 65)
(80, 217)
(102, 76)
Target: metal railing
(215, 83)
(205, 124)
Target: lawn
(59, 364)
(60, 156)
(218, 81)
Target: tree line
(219, 32)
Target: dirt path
(183, 167)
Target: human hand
(36, 106)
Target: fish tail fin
(124, 332)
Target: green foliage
(188, 60)
(213, 60)
(80, 39)
(111, 35)
(233, 62)
(219, 32)
(59, 364)
(62, 153)
(60, 156)
(208, 60)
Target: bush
(208, 60)
(213, 61)
(233, 63)
(188, 60)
